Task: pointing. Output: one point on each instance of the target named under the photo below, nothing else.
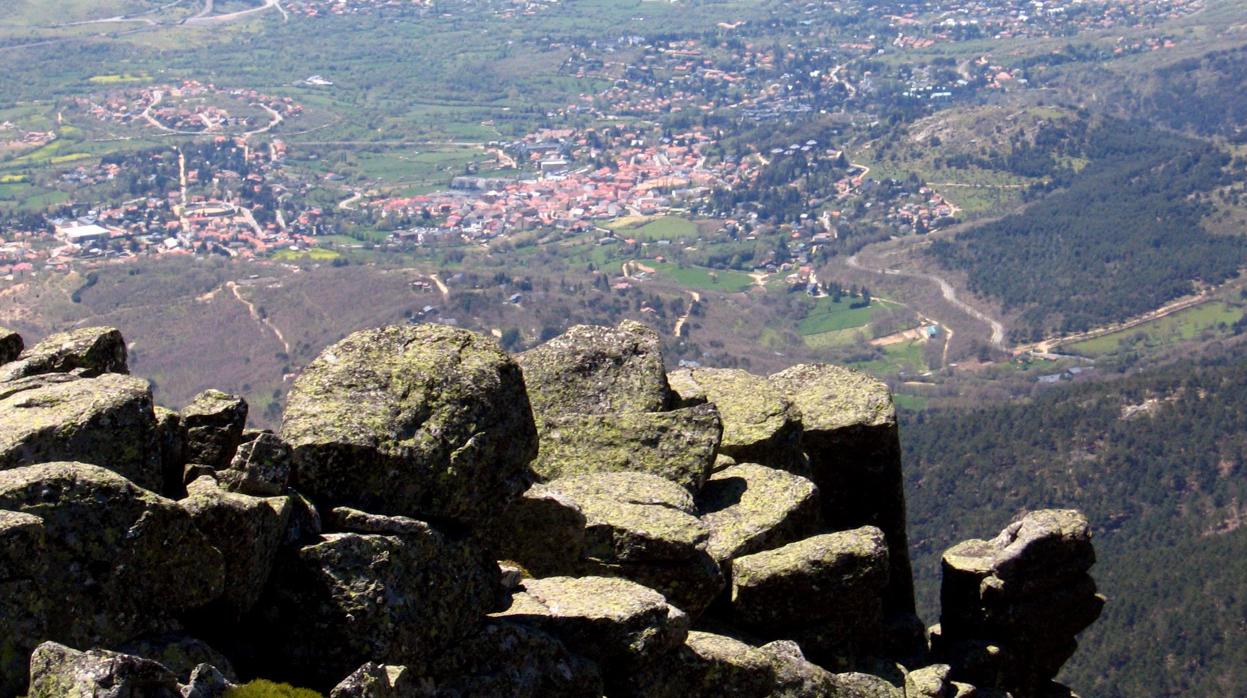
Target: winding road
(949, 293)
(205, 15)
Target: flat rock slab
(597, 370)
(90, 350)
(634, 517)
(760, 423)
(710, 666)
(749, 508)
(108, 420)
(617, 623)
(427, 421)
(831, 397)
(807, 583)
(679, 445)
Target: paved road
(205, 15)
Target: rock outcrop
(597, 370)
(212, 427)
(106, 420)
(397, 591)
(749, 508)
(89, 351)
(1012, 606)
(11, 345)
(824, 592)
(850, 435)
(760, 423)
(645, 528)
(679, 445)
(622, 626)
(436, 518)
(115, 561)
(426, 421)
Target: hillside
(1118, 238)
(1158, 463)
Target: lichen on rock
(427, 421)
(597, 370)
(679, 445)
(749, 508)
(108, 421)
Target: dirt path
(349, 204)
(255, 315)
(679, 324)
(1048, 345)
(440, 286)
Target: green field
(315, 254)
(1181, 326)
(906, 356)
(662, 228)
(915, 403)
(834, 338)
(702, 278)
(829, 316)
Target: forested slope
(1157, 461)
(1121, 237)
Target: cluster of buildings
(929, 211)
(13, 138)
(949, 20)
(204, 209)
(340, 8)
(578, 184)
(191, 107)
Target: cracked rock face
(212, 427)
(397, 596)
(247, 530)
(427, 421)
(57, 671)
